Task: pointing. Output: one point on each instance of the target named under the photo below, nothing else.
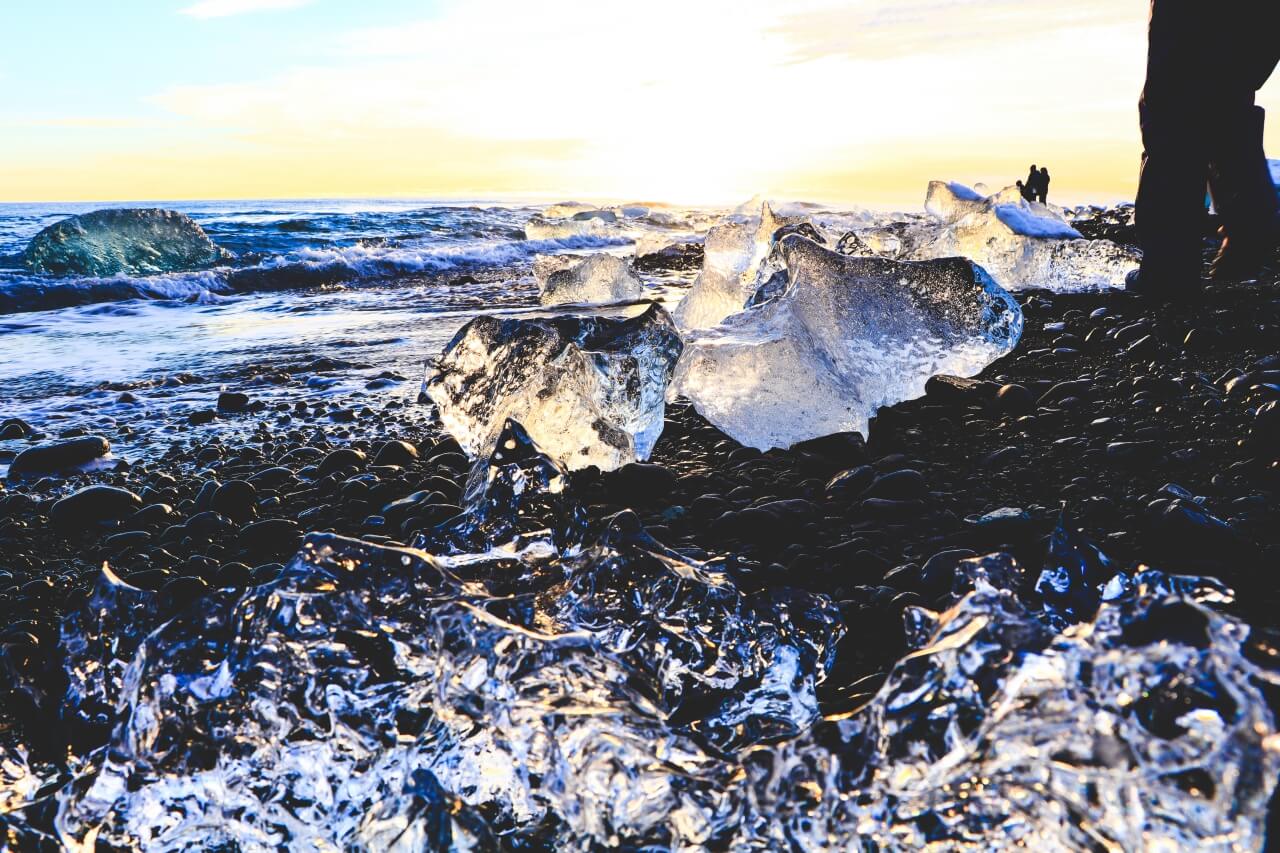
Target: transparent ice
(589, 389)
(732, 256)
(598, 279)
(134, 241)
(1020, 243)
(839, 338)
(541, 228)
(530, 682)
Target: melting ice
(840, 337)
(531, 681)
(589, 389)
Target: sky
(698, 101)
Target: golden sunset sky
(860, 101)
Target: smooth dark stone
(180, 592)
(201, 417)
(92, 505)
(340, 459)
(906, 484)
(844, 448)
(119, 542)
(271, 537)
(59, 456)
(640, 482)
(1015, 399)
(851, 482)
(236, 499)
(232, 401)
(400, 453)
(954, 389)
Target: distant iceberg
(132, 241)
(844, 336)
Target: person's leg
(1169, 214)
(1243, 192)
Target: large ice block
(598, 279)
(590, 390)
(845, 336)
(135, 241)
(567, 230)
(731, 260)
(1021, 243)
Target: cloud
(224, 8)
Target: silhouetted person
(1024, 191)
(1029, 186)
(1205, 62)
(1042, 187)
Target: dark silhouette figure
(1029, 185)
(1205, 63)
(1042, 187)
(1023, 191)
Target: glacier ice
(842, 337)
(589, 389)
(657, 242)
(134, 241)
(598, 279)
(554, 688)
(732, 255)
(1020, 243)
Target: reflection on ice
(590, 390)
(598, 279)
(836, 337)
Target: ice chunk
(590, 390)
(1020, 243)
(845, 336)
(374, 696)
(598, 279)
(1145, 730)
(565, 209)
(134, 241)
(659, 241)
(592, 228)
(731, 263)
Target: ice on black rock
(590, 390)
(840, 338)
(598, 279)
(136, 241)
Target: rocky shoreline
(1156, 429)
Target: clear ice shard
(589, 389)
(839, 338)
(378, 698)
(134, 241)
(732, 255)
(589, 229)
(598, 279)
(1020, 243)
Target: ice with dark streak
(597, 279)
(589, 389)
(838, 338)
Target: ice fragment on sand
(134, 241)
(598, 279)
(845, 336)
(589, 390)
